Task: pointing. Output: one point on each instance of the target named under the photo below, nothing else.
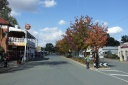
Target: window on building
(126, 53)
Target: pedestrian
(94, 61)
(20, 59)
(6, 59)
(87, 61)
(122, 57)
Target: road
(116, 64)
(58, 70)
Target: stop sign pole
(27, 27)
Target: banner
(17, 43)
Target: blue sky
(49, 19)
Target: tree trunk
(97, 60)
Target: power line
(120, 21)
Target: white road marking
(115, 71)
(122, 72)
(100, 71)
(118, 75)
(112, 75)
(110, 70)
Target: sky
(49, 19)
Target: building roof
(15, 29)
(20, 30)
(2, 21)
(124, 45)
(110, 47)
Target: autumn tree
(76, 33)
(97, 37)
(70, 39)
(83, 33)
(62, 46)
(80, 29)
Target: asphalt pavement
(57, 70)
(11, 65)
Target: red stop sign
(27, 26)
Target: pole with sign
(27, 27)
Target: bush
(112, 56)
(69, 56)
(1, 49)
(106, 56)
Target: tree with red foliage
(75, 35)
(61, 46)
(97, 37)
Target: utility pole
(37, 42)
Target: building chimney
(16, 26)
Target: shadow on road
(40, 59)
(34, 63)
(54, 63)
(111, 65)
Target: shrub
(113, 56)
(69, 56)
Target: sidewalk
(115, 60)
(11, 64)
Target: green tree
(5, 14)
(124, 38)
(49, 47)
(42, 48)
(3, 4)
(111, 41)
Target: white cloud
(47, 35)
(61, 22)
(105, 23)
(49, 3)
(18, 6)
(101, 22)
(14, 13)
(24, 5)
(33, 32)
(115, 30)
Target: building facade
(21, 44)
(123, 51)
(105, 49)
(15, 42)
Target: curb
(91, 67)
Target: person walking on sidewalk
(87, 61)
(6, 59)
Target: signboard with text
(17, 43)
